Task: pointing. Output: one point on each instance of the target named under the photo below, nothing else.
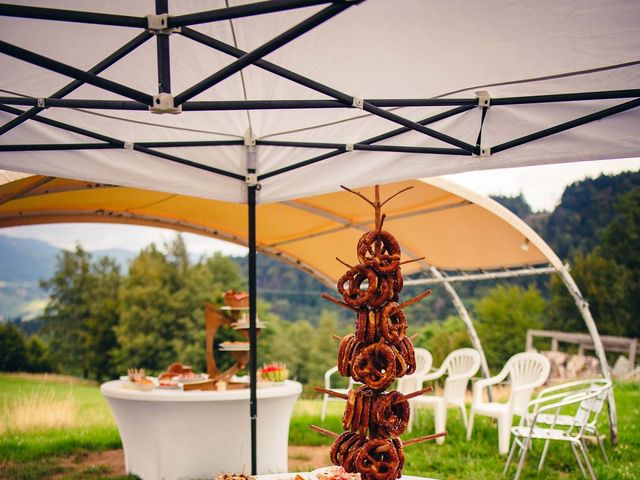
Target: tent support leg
(583, 307)
(253, 364)
(466, 318)
(162, 48)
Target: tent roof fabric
(375, 49)
(455, 229)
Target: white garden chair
(413, 382)
(526, 371)
(459, 366)
(564, 390)
(327, 385)
(546, 421)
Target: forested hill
(586, 209)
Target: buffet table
(172, 434)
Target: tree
(603, 283)
(441, 338)
(621, 243)
(82, 312)
(70, 295)
(13, 352)
(504, 316)
(38, 355)
(100, 338)
(162, 306)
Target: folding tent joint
(484, 99)
(159, 24)
(348, 147)
(41, 103)
(128, 146)
(482, 152)
(358, 103)
(251, 179)
(164, 103)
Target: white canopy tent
(320, 93)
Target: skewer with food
(376, 354)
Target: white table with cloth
(173, 434)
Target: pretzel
(400, 450)
(361, 324)
(384, 259)
(346, 346)
(349, 460)
(410, 356)
(375, 366)
(391, 411)
(401, 363)
(346, 447)
(336, 445)
(397, 282)
(377, 460)
(393, 323)
(353, 294)
(383, 294)
(349, 410)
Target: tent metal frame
(162, 25)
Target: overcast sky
(542, 186)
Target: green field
(45, 421)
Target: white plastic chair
(327, 385)
(547, 422)
(459, 366)
(526, 371)
(413, 382)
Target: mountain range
(26, 261)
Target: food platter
(332, 473)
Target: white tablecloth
(171, 434)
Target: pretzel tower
(376, 354)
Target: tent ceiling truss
(484, 275)
(162, 26)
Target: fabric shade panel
(375, 64)
(451, 227)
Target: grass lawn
(48, 423)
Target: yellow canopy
(453, 228)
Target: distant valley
(23, 263)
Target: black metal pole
(262, 50)
(95, 70)
(69, 71)
(253, 360)
(162, 47)
(72, 16)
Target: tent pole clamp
(128, 145)
(163, 103)
(349, 147)
(484, 99)
(358, 103)
(41, 103)
(251, 178)
(158, 24)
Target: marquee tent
(452, 233)
(259, 102)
